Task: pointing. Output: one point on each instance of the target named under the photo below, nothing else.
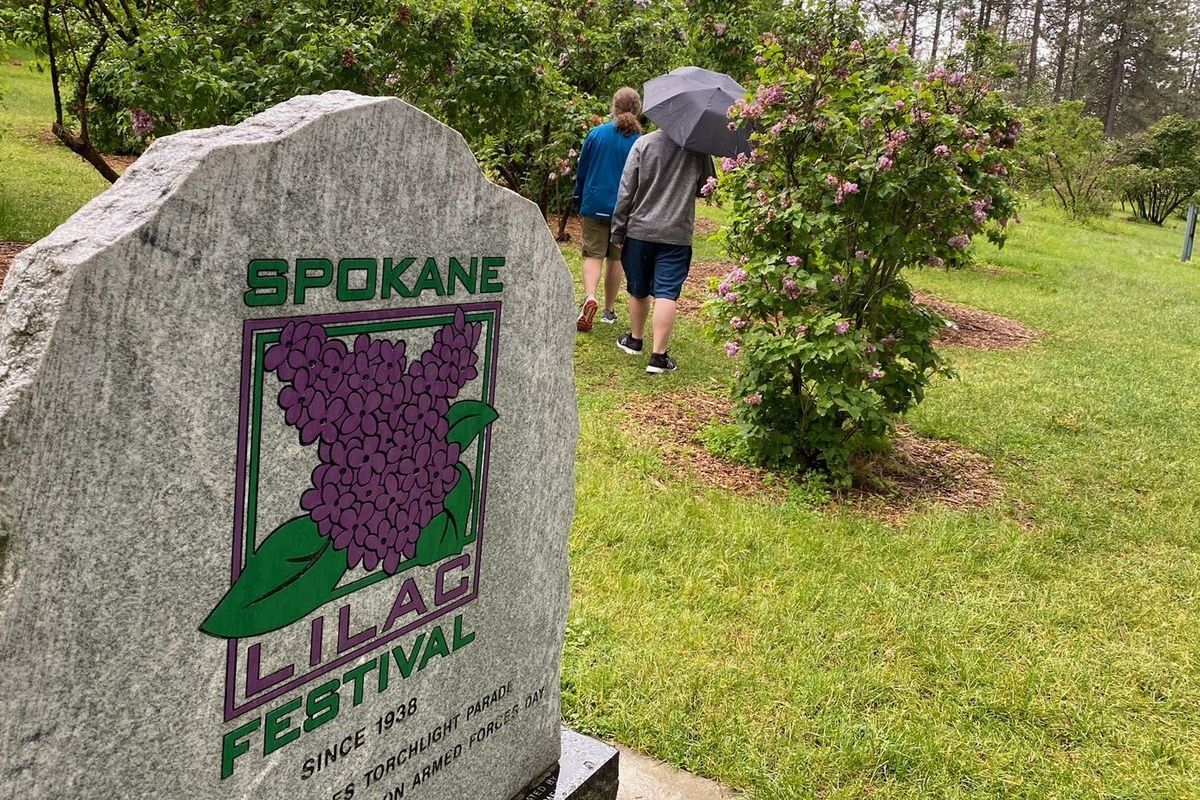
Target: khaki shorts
(595, 239)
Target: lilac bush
(380, 426)
(864, 163)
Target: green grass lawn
(1046, 647)
(41, 184)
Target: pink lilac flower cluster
(754, 399)
(143, 122)
(709, 187)
(791, 289)
(720, 29)
(845, 190)
(380, 426)
(979, 209)
(731, 349)
(841, 328)
(960, 242)
(731, 164)
(770, 95)
(941, 151)
(746, 110)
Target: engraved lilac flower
(361, 413)
(380, 426)
(323, 420)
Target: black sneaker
(609, 318)
(630, 345)
(659, 363)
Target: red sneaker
(587, 316)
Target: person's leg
(612, 278)
(595, 245)
(672, 263)
(591, 277)
(639, 312)
(637, 259)
(664, 323)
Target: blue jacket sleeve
(585, 162)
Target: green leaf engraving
(293, 573)
(467, 420)
(447, 534)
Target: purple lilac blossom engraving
(380, 426)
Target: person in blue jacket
(596, 185)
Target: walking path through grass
(1046, 646)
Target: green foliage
(531, 80)
(1065, 157)
(522, 81)
(1159, 169)
(861, 168)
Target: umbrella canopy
(690, 105)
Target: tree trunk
(84, 149)
(916, 9)
(80, 144)
(1116, 80)
(1078, 48)
(937, 30)
(1033, 43)
(1060, 64)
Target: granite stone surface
(287, 434)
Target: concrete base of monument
(587, 770)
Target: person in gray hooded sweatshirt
(653, 223)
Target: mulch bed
(8, 251)
(920, 472)
(695, 288)
(978, 329)
(676, 421)
(916, 473)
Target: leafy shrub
(1065, 158)
(860, 168)
(1159, 168)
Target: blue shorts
(652, 268)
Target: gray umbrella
(690, 105)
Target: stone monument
(287, 435)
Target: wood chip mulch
(976, 328)
(695, 288)
(8, 251)
(675, 422)
(917, 473)
(920, 472)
